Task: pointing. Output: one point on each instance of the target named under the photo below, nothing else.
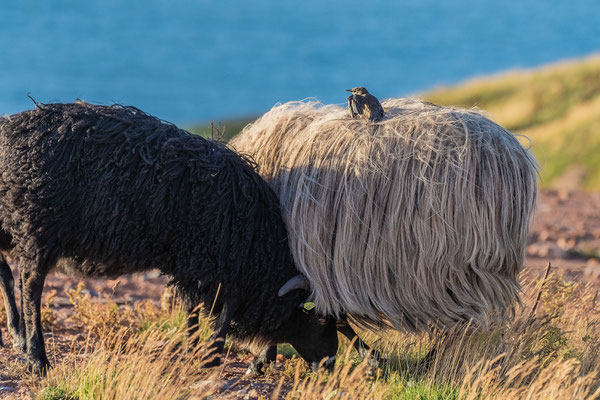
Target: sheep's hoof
(375, 360)
(19, 345)
(39, 367)
(255, 369)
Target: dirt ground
(565, 231)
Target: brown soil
(565, 231)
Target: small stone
(592, 269)
(152, 274)
(204, 383)
(229, 383)
(557, 252)
(563, 195)
(91, 292)
(593, 263)
(536, 250)
(546, 250)
(565, 243)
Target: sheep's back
(418, 220)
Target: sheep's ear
(297, 282)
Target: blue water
(191, 61)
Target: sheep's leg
(7, 286)
(192, 323)
(363, 349)
(267, 356)
(429, 358)
(33, 275)
(218, 338)
(22, 345)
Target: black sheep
(110, 190)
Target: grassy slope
(557, 107)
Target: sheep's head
(313, 336)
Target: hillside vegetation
(556, 106)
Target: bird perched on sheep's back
(364, 105)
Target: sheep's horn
(297, 282)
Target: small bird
(364, 105)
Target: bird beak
(348, 90)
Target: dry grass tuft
(346, 381)
(130, 353)
(150, 365)
(554, 353)
(100, 318)
(47, 311)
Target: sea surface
(193, 61)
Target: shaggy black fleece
(110, 190)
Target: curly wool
(418, 221)
(110, 190)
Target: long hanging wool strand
(417, 221)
